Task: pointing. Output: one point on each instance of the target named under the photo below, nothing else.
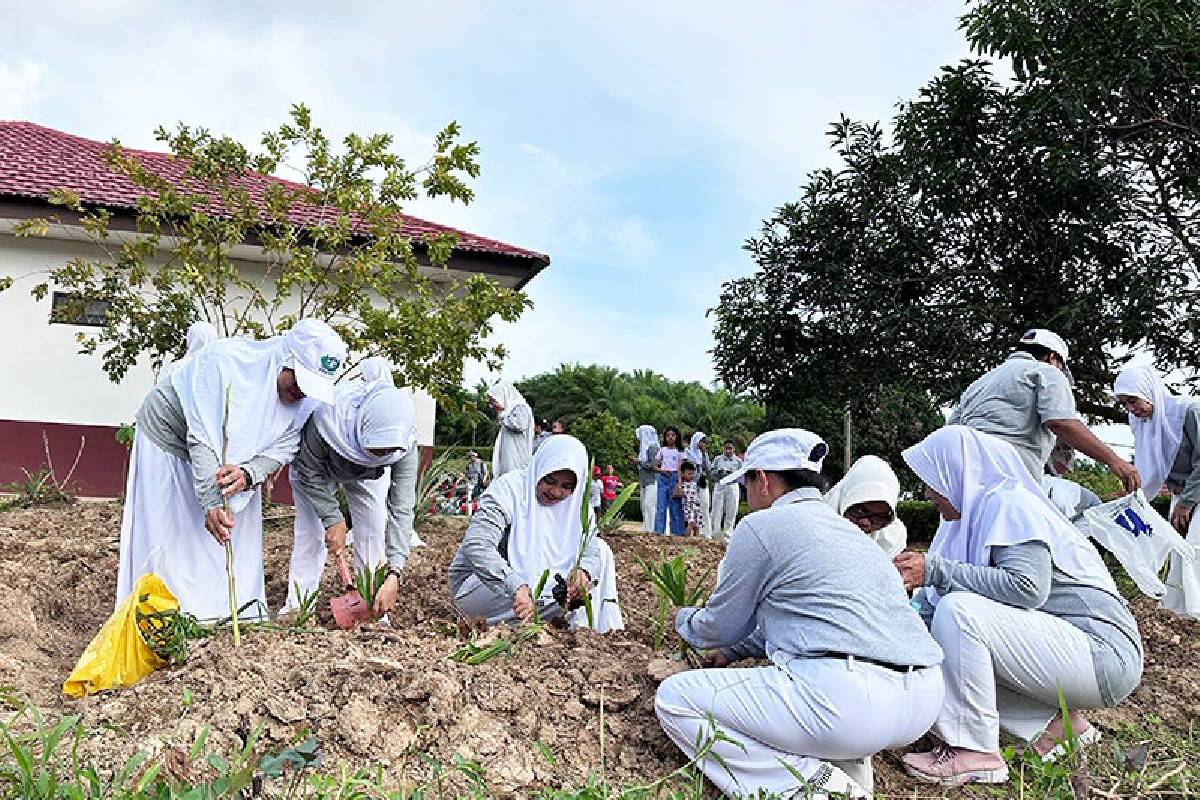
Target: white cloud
(19, 83)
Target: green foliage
(1096, 477)
(607, 439)
(38, 489)
(669, 578)
(353, 267)
(921, 519)
(306, 610)
(445, 463)
(610, 521)
(474, 653)
(167, 632)
(125, 435)
(368, 581)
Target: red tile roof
(35, 160)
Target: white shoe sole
(989, 776)
(1085, 739)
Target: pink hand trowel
(348, 609)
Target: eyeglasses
(860, 514)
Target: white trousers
(649, 506)
(368, 511)
(162, 531)
(704, 498)
(813, 711)
(724, 510)
(476, 600)
(1183, 581)
(1004, 667)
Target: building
(56, 397)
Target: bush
(459, 452)
(921, 519)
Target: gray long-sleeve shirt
(1024, 576)
(1014, 402)
(1184, 478)
(483, 551)
(161, 420)
(319, 469)
(723, 465)
(799, 580)
(648, 469)
(514, 442)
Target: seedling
(368, 581)
(670, 580)
(167, 632)
(610, 521)
(306, 609)
(474, 654)
(231, 583)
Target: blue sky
(638, 144)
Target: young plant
(610, 521)
(368, 581)
(306, 609)
(475, 654)
(167, 632)
(587, 531)
(537, 592)
(428, 482)
(669, 578)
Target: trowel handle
(344, 571)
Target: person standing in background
(697, 454)
(612, 485)
(670, 456)
(646, 462)
(514, 441)
(541, 432)
(725, 498)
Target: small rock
(285, 709)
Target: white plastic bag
(1141, 540)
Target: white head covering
(999, 503)
(506, 395)
(260, 424)
(200, 334)
(781, 450)
(367, 414)
(647, 437)
(693, 451)
(543, 537)
(1155, 440)
(870, 480)
(315, 354)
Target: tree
(465, 419)
(607, 439)
(332, 248)
(996, 208)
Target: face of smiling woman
(555, 487)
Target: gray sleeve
(1054, 397)
(954, 416)
(753, 646)
(591, 558)
(732, 611)
(651, 462)
(312, 479)
(1087, 499)
(480, 548)
(205, 464)
(924, 607)
(401, 505)
(1020, 575)
(1190, 496)
(259, 468)
(518, 418)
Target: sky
(638, 144)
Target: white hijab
(200, 334)
(647, 437)
(1155, 440)
(506, 395)
(693, 452)
(999, 503)
(543, 537)
(367, 414)
(260, 424)
(871, 479)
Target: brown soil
(389, 695)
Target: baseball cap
(317, 355)
(1052, 342)
(781, 450)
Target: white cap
(781, 450)
(317, 355)
(1052, 342)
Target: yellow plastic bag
(118, 656)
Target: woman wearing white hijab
(514, 442)
(199, 335)
(1022, 606)
(867, 496)
(697, 454)
(368, 432)
(1166, 449)
(528, 522)
(647, 467)
(177, 484)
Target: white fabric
(200, 334)
(260, 424)
(162, 531)
(1003, 669)
(1155, 440)
(649, 498)
(1183, 575)
(1000, 505)
(316, 354)
(368, 509)
(369, 413)
(802, 716)
(725, 508)
(781, 450)
(1064, 494)
(693, 451)
(1047, 339)
(705, 501)
(872, 480)
(507, 395)
(511, 448)
(647, 437)
(1141, 541)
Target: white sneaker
(828, 783)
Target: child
(597, 491)
(689, 496)
(612, 485)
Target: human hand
(335, 538)
(523, 603)
(1181, 518)
(912, 569)
(1128, 475)
(578, 583)
(219, 522)
(388, 594)
(231, 479)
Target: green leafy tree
(607, 439)
(331, 247)
(1065, 199)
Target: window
(67, 308)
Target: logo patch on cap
(1029, 336)
(329, 364)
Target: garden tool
(348, 609)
